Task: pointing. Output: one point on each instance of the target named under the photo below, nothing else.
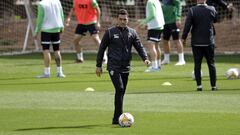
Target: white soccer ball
(193, 75)
(126, 120)
(232, 73)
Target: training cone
(89, 89)
(166, 84)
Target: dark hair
(122, 12)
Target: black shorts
(154, 35)
(171, 30)
(50, 38)
(83, 29)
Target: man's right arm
(39, 21)
(187, 26)
(104, 44)
(152, 14)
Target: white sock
(59, 70)
(155, 64)
(152, 63)
(80, 56)
(159, 63)
(181, 57)
(167, 57)
(47, 70)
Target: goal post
(17, 27)
(30, 26)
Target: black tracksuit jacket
(200, 21)
(119, 42)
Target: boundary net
(16, 35)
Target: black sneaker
(214, 88)
(199, 89)
(115, 122)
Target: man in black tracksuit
(200, 20)
(119, 41)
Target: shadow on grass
(35, 77)
(42, 81)
(63, 80)
(65, 127)
(221, 58)
(53, 82)
(187, 91)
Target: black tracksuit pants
(208, 52)
(119, 81)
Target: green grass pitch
(60, 106)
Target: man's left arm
(224, 4)
(215, 15)
(62, 17)
(178, 6)
(221, 3)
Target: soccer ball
(193, 75)
(232, 73)
(126, 120)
